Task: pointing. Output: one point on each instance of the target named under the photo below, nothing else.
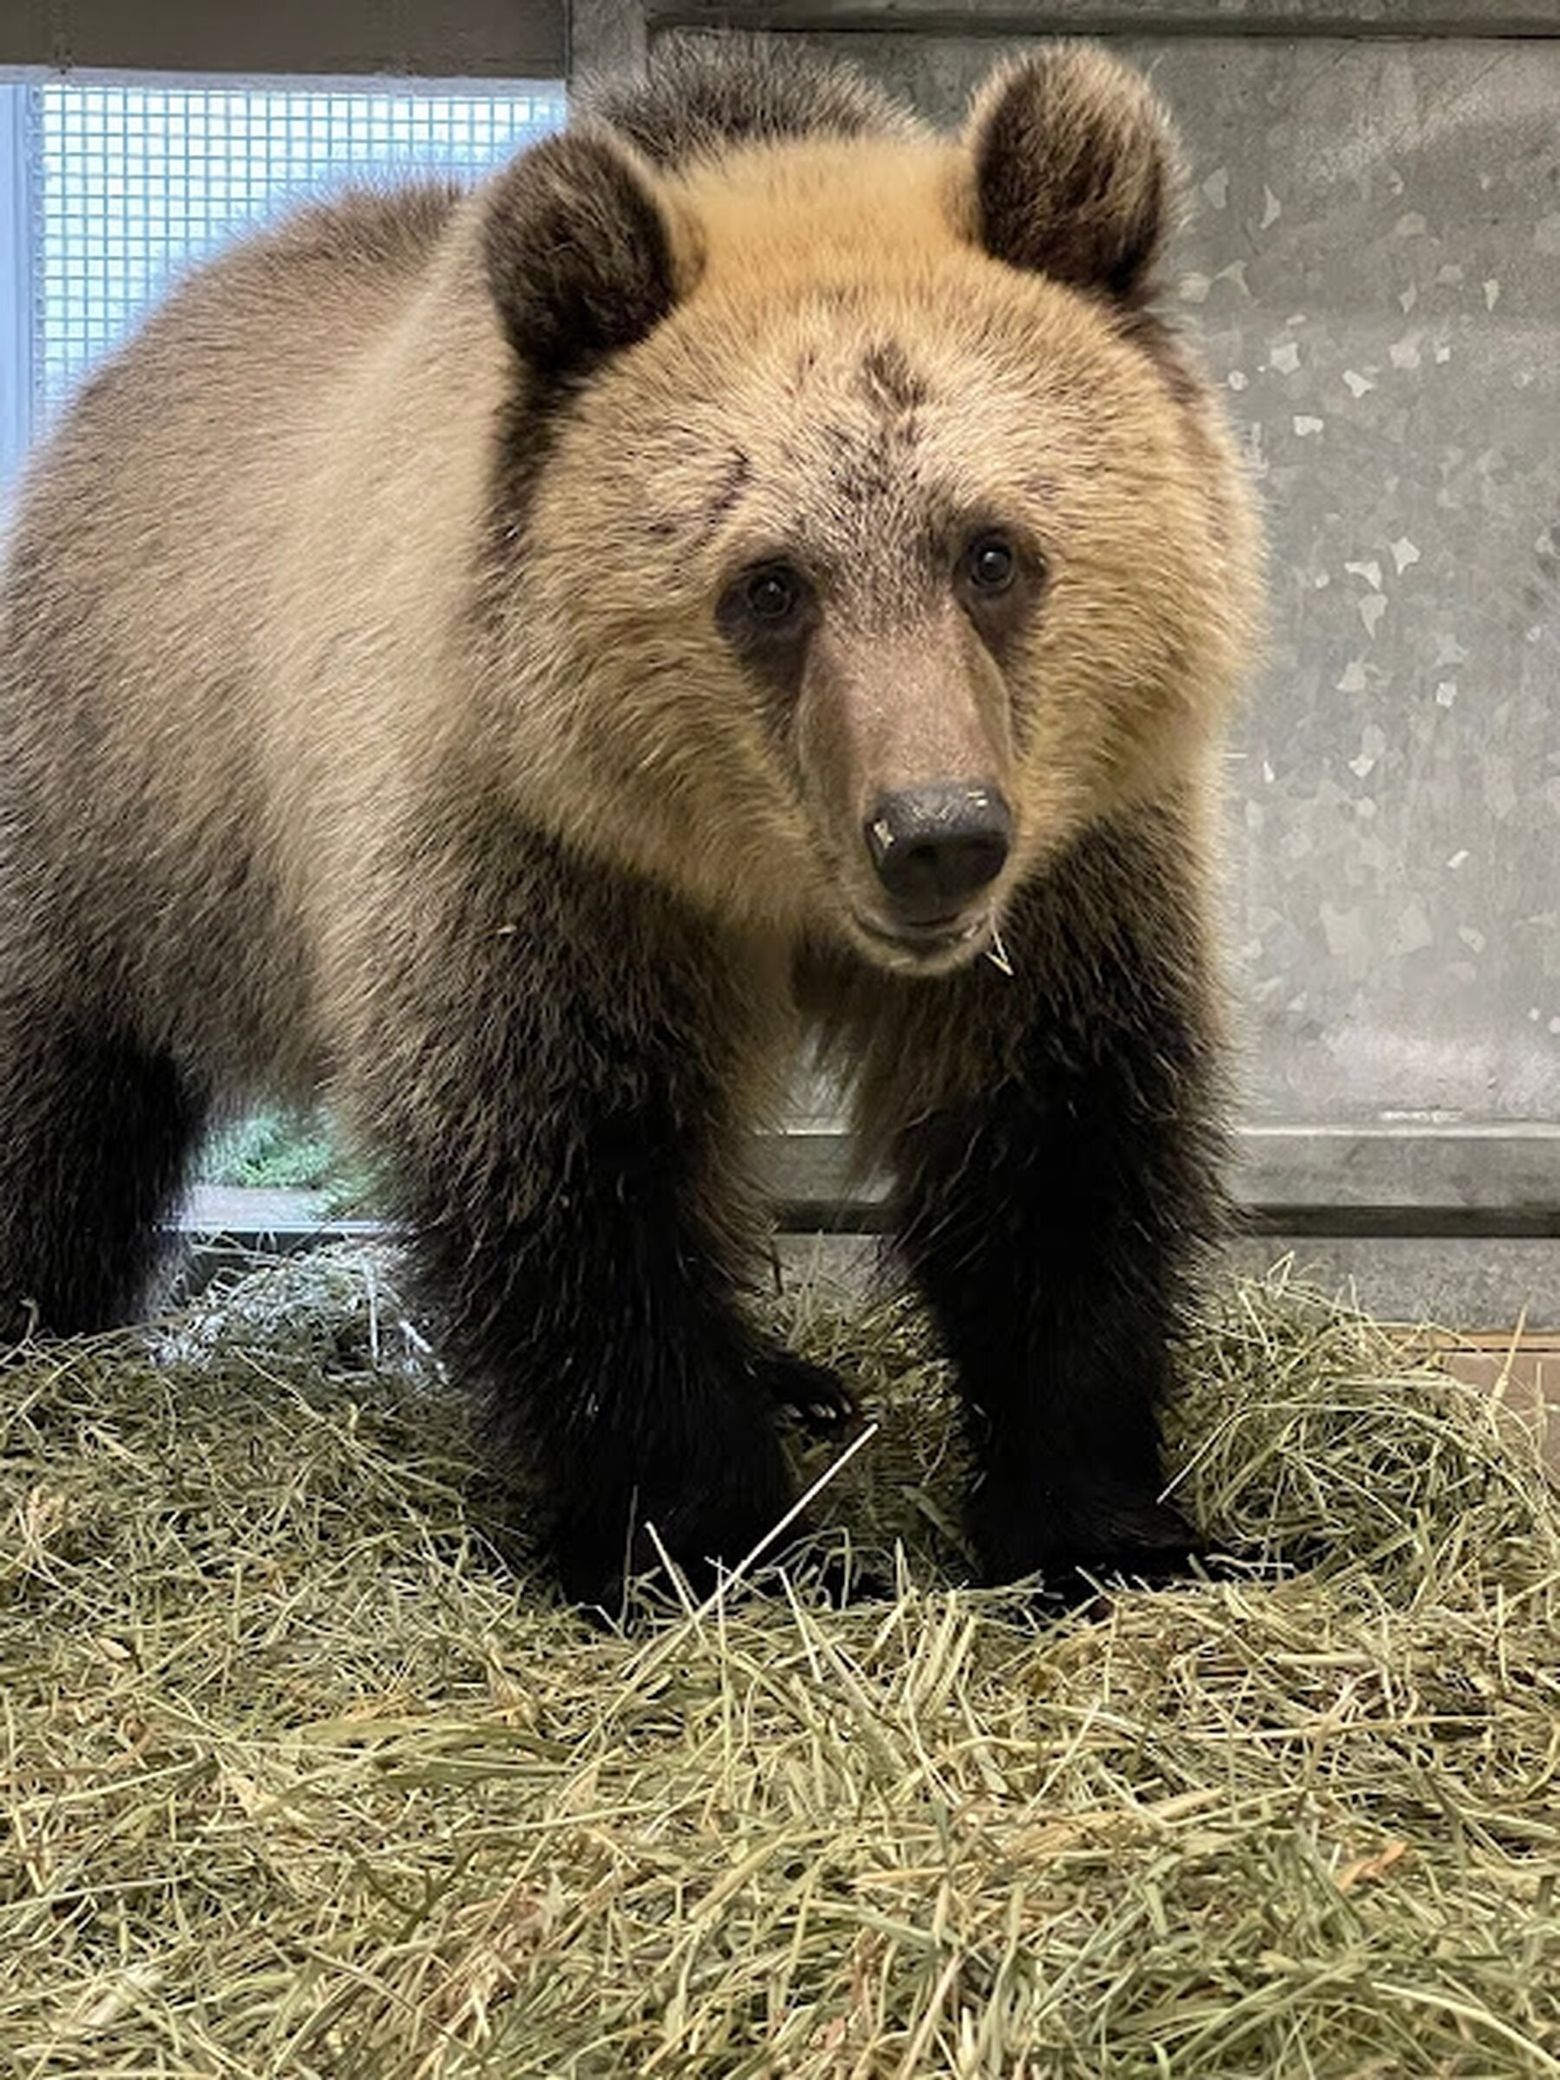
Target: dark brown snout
(936, 846)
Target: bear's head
(862, 535)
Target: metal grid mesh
(133, 181)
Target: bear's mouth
(930, 944)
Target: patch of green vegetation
(278, 1150)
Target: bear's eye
(772, 594)
(990, 563)
(767, 613)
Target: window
(108, 189)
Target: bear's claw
(810, 1395)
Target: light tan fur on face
(1037, 412)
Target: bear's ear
(1075, 169)
(579, 252)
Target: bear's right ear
(579, 252)
(1075, 169)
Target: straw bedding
(303, 1773)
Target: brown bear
(515, 661)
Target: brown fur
(375, 722)
(1106, 160)
(702, 96)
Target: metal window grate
(131, 182)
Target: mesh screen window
(132, 182)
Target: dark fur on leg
(98, 1137)
(1053, 1283)
(608, 1336)
(1052, 1201)
(577, 1216)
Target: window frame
(18, 286)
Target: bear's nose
(934, 847)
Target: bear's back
(197, 414)
(146, 590)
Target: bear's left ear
(1075, 169)
(579, 252)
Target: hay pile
(299, 1779)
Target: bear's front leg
(578, 1284)
(1045, 1223)
(1051, 1204)
(559, 1100)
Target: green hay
(297, 1778)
